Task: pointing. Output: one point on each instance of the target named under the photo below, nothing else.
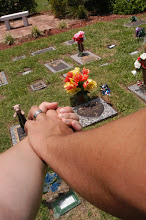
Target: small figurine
(105, 91)
(20, 114)
(79, 38)
(139, 32)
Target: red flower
(85, 71)
(70, 74)
(67, 79)
(78, 77)
(85, 84)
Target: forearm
(21, 182)
(105, 165)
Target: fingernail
(62, 110)
(60, 115)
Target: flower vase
(144, 73)
(82, 98)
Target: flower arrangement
(140, 63)
(51, 183)
(133, 18)
(78, 82)
(79, 37)
(139, 32)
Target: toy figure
(79, 38)
(20, 114)
(139, 32)
(105, 91)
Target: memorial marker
(3, 80)
(19, 58)
(57, 66)
(43, 51)
(17, 134)
(94, 111)
(38, 86)
(138, 91)
(70, 42)
(135, 23)
(87, 57)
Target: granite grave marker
(43, 51)
(87, 57)
(3, 80)
(139, 92)
(57, 66)
(38, 86)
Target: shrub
(99, 7)
(78, 11)
(58, 7)
(9, 39)
(129, 6)
(13, 6)
(35, 32)
(62, 25)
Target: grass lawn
(117, 75)
(42, 5)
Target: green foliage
(129, 7)
(35, 32)
(99, 7)
(62, 25)
(58, 7)
(13, 6)
(9, 39)
(68, 8)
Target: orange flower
(78, 77)
(67, 79)
(85, 71)
(70, 74)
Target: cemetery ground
(117, 74)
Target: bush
(13, 6)
(99, 7)
(129, 6)
(35, 32)
(58, 7)
(62, 25)
(9, 39)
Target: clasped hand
(53, 123)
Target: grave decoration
(77, 83)
(79, 38)
(133, 18)
(52, 182)
(20, 114)
(139, 32)
(105, 91)
(140, 64)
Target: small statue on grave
(139, 32)
(105, 91)
(20, 114)
(139, 64)
(79, 38)
(133, 18)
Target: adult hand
(66, 114)
(43, 131)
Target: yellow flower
(71, 88)
(90, 84)
(76, 70)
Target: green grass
(118, 74)
(42, 5)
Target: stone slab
(43, 51)
(26, 72)
(38, 86)
(141, 93)
(134, 53)
(94, 111)
(3, 80)
(111, 46)
(87, 57)
(17, 134)
(134, 23)
(19, 58)
(105, 64)
(58, 66)
(70, 42)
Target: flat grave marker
(94, 111)
(19, 58)
(3, 80)
(17, 134)
(38, 86)
(70, 42)
(57, 66)
(65, 203)
(133, 53)
(104, 64)
(139, 92)
(87, 57)
(43, 51)
(134, 23)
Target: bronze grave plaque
(57, 66)
(93, 109)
